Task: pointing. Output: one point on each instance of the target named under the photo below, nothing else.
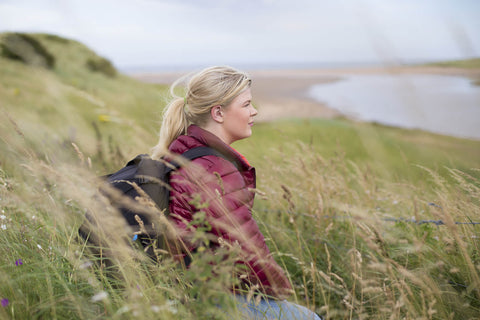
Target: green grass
(393, 153)
(473, 63)
(326, 192)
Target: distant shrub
(102, 65)
(56, 38)
(473, 63)
(25, 48)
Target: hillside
(73, 102)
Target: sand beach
(284, 93)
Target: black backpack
(152, 177)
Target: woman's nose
(253, 111)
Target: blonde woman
(216, 111)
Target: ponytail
(174, 124)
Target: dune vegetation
(473, 63)
(370, 222)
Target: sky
(175, 33)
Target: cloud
(228, 31)
(26, 17)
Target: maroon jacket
(228, 191)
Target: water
(442, 104)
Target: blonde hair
(210, 87)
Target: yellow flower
(104, 118)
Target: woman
(215, 112)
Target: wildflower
(104, 118)
(86, 264)
(3, 217)
(102, 295)
(123, 309)
(169, 306)
(135, 237)
(3, 227)
(4, 302)
(39, 246)
(19, 262)
(434, 205)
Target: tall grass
(47, 271)
(326, 219)
(331, 222)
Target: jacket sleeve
(221, 190)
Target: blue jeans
(268, 309)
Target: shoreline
(283, 93)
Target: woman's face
(238, 117)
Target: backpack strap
(199, 152)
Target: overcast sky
(196, 32)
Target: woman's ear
(217, 113)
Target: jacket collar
(211, 140)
